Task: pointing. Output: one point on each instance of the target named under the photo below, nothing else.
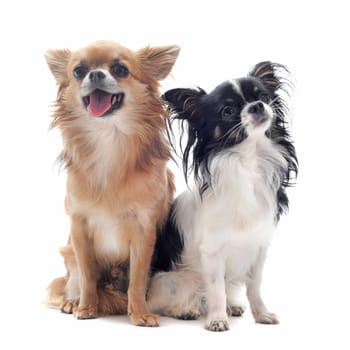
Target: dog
(113, 124)
(241, 153)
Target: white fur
(226, 234)
(109, 83)
(72, 288)
(110, 246)
(107, 227)
(107, 141)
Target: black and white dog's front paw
(266, 318)
(217, 325)
(190, 315)
(236, 310)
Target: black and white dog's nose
(256, 108)
(96, 76)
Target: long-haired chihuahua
(112, 121)
(240, 150)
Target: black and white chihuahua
(216, 239)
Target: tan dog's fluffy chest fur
(113, 207)
(109, 112)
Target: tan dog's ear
(158, 61)
(57, 61)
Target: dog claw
(85, 312)
(218, 326)
(236, 311)
(145, 320)
(266, 318)
(69, 306)
(189, 316)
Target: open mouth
(100, 103)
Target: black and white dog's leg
(215, 294)
(258, 308)
(176, 294)
(235, 304)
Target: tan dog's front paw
(85, 312)
(145, 320)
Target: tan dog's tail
(63, 292)
(55, 292)
(111, 301)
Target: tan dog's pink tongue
(100, 103)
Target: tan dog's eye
(80, 71)
(119, 70)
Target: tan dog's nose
(96, 76)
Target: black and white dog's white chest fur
(218, 233)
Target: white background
(307, 274)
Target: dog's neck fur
(249, 174)
(102, 153)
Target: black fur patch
(168, 247)
(114, 275)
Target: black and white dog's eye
(264, 97)
(228, 112)
(80, 71)
(120, 70)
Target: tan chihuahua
(112, 120)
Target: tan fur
(118, 187)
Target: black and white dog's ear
(182, 102)
(274, 76)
